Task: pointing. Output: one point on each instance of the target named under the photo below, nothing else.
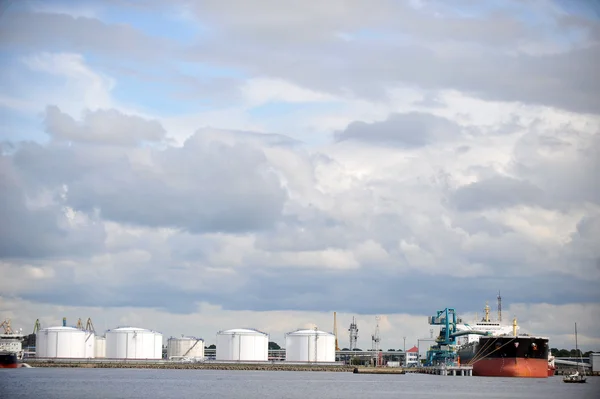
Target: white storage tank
(100, 347)
(242, 344)
(89, 350)
(133, 343)
(309, 346)
(185, 347)
(61, 342)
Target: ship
(11, 346)
(8, 360)
(495, 351)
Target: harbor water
(55, 383)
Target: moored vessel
(11, 349)
(8, 360)
(495, 351)
(507, 356)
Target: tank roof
(242, 331)
(309, 332)
(187, 338)
(61, 328)
(127, 328)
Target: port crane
(443, 351)
(7, 328)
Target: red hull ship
(507, 356)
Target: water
(49, 383)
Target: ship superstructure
(485, 325)
(11, 346)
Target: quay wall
(191, 366)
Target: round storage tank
(309, 346)
(60, 342)
(133, 343)
(242, 345)
(185, 347)
(89, 350)
(100, 349)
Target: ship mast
(487, 313)
(499, 308)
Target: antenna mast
(353, 334)
(499, 308)
(375, 337)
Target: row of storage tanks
(139, 343)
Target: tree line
(569, 352)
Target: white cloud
(80, 86)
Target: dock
(461, 371)
(379, 370)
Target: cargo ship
(11, 349)
(507, 356)
(495, 351)
(8, 360)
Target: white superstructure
(12, 343)
(62, 342)
(310, 346)
(494, 328)
(133, 343)
(185, 347)
(242, 344)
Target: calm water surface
(50, 383)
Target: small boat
(576, 377)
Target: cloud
(260, 173)
(104, 127)
(405, 130)
(29, 30)
(497, 192)
(41, 226)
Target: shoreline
(190, 366)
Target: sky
(196, 166)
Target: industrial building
(133, 343)
(64, 342)
(242, 345)
(309, 346)
(185, 347)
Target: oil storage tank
(133, 343)
(190, 347)
(61, 342)
(100, 347)
(309, 346)
(242, 344)
(89, 349)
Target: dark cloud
(406, 130)
(496, 192)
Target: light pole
(404, 349)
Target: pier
(461, 371)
